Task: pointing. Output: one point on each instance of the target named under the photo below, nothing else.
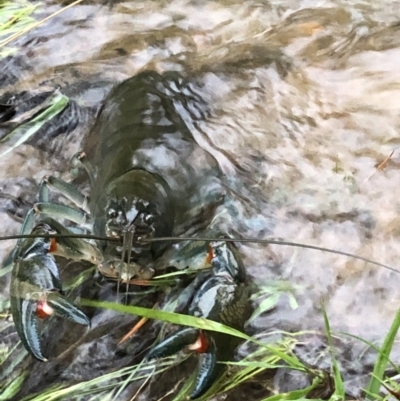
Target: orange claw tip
(43, 309)
(53, 245)
(201, 344)
(210, 254)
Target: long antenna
(180, 239)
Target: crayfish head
(132, 208)
(130, 215)
(129, 219)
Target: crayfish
(149, 178)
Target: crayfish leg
(71, 248)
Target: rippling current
(302, 106)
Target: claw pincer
(36, 290)
(223, 297)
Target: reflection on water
(303, 107)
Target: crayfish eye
(112, 214)
(149, 219)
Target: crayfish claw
(66, 309)
(174, 343)
(36, 291)
(207, 371)
(222, 297)
(26, 324)
(197, 341)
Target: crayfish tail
(66, 309)
(174, 343)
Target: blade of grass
(29, 28)
(394, 390)
(380, 166)
(383, 358)
(99, 384)
(135, 328)
(373, 346)
(12, 388)
(128, 380)
(192, 321)
(58, 104)
(15, 16)
(339, 393)
(295, 394)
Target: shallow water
(302, 99)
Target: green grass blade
(174, 318)
(270, 293)
(192, 321)
(108, 382)
(15, 17)
(339, 393)
(295, 394)
(12, 388)
(373, 346)
(5, 270)
(266, 305)
(26, 130)
(383, 358)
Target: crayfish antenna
(272, 241)
(124, 267)
(128, 239)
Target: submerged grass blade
(127, 381)
(373, 346)
(26, 130)
(11, 389)
(200, 323)
(383, 358)
(15, 17)
(295, 394)
(339, 393)
(99, 384)
(36, 24)
(272, 292)
(5, 270)
(184, 391)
